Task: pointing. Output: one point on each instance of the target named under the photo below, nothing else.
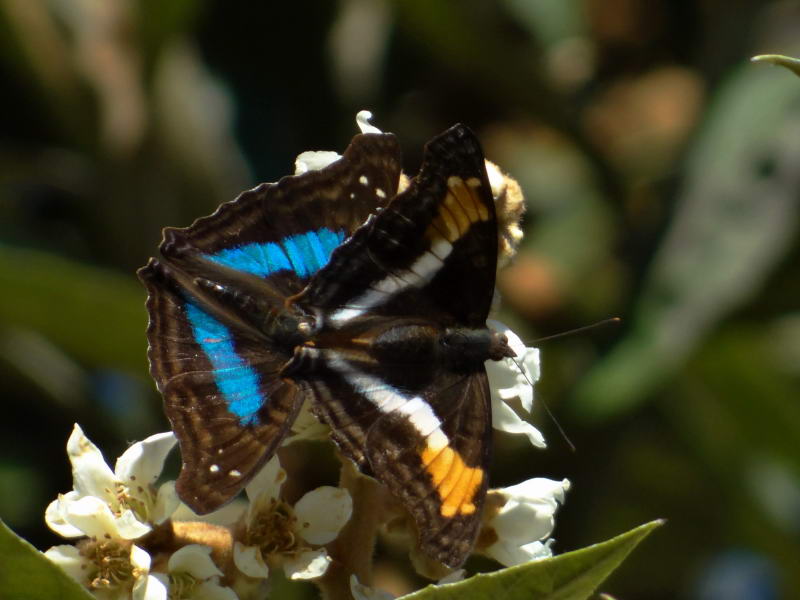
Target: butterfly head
(462, 346)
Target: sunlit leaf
(25, 574)
(793, 64)
(571, 576)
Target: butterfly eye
(499, 348)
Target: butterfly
(334, 288)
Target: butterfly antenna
(611, 321)
(547, 409)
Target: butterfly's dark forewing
(215, 300)
(387, 446)
(296, 215)
(411, 413)
(462, 404)
(434, 240)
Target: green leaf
(793, 64)
(735, 219)
(95, 315)
(571, 576)
(25, 573)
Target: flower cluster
(123, 521)
(122, 517)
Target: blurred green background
(662, 176)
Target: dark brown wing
(432, 251)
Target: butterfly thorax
(244, 302)
(415, 348)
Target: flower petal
(541, 489)
(306, 426)
(307, 565)
(314, 160)
(528, 514)
(521, 523)
(268, 481)
(140, 559)
(141, 464)
(505, 419)
(54, 516)
(322, 513)
(539, 550)
(92, 516)
(129, 527)
(90, 473)
(150, 587)
(363, 118)
(506, 380)
(363, 592)
(167, 502)
(70, 560)
(226, 516)
(146, 586)
(452, 577)
(195, 560)
(509, 554)
(249, 561)
(211, 590)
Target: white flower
(314, 160)
(510, 379)
(120, 504)
(362, 120)
(111, 569)
(363, 592)
(277, 533)
(509, 205)
(519, 520)
(192, 575)
(307, 426)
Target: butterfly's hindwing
(436, 451)
(421, 430)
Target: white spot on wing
(234, 473)
(363, 180)
(380, 193)
(214, 468)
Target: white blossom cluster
(115, 511)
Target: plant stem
(352, 551)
